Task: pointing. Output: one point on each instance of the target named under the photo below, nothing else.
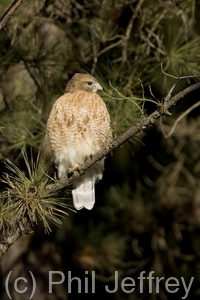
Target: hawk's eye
(89, 83)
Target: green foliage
(22, 128)
(28, 195)
(147, 212)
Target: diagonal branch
(13, 235)
(141, 126)
(9, 12)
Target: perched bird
(78, 126)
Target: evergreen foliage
(147, 215)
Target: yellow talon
(73, 168)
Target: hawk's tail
(84, 195)
(84, 188)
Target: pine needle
(26, 195)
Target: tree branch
(9, 12)
(167, 135)
(141, 126)
(13, 235)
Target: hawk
(77, 127)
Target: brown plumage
(78, 126)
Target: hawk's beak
(99, 87)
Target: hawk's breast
(78, 126)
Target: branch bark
(13, 235)
(9, 12)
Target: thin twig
(95, 56)
(109, 47)
(177, 77)
(129, 29)
(169, 95)
(9, 12)
(179, 119)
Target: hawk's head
(83, 82)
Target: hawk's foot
(88, 157)
(71, 170)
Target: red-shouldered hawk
(78, 126)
